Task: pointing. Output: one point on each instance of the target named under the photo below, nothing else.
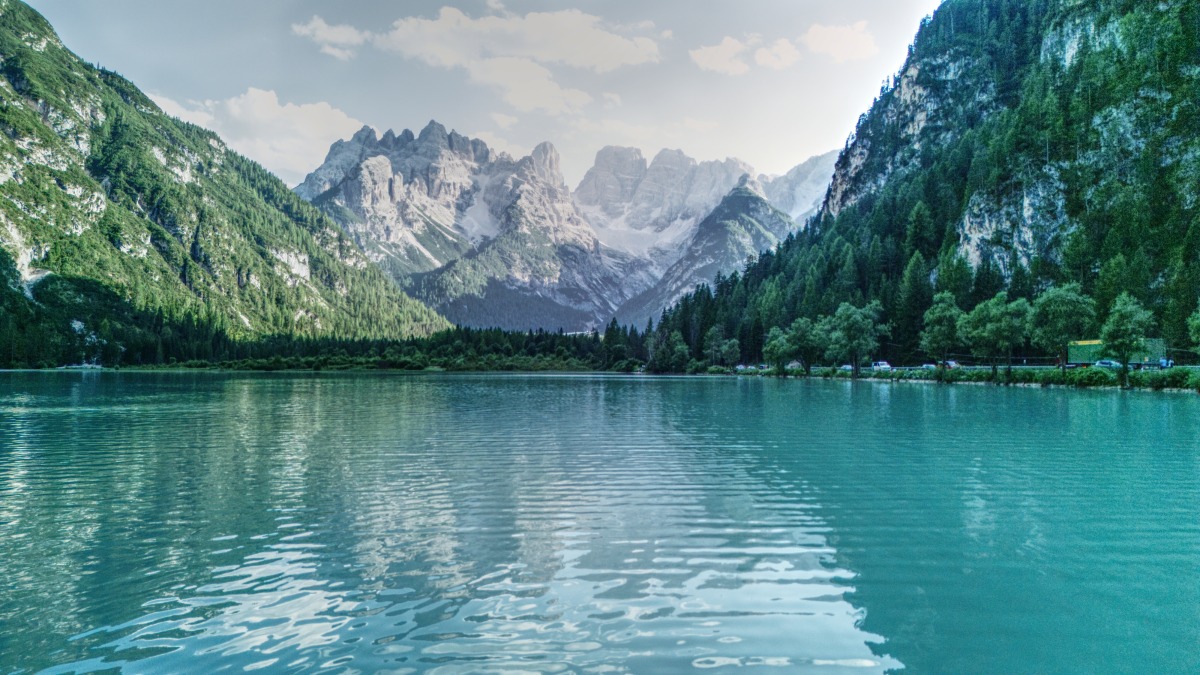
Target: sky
(771, 82)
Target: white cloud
(198, 116)
(618, 132)
(725, 57)
(336, 41)
(778, 55)
(504, 121)
(506, 52)
(611, 100)
(567, 37)
(495, 5)
(287, 138)
(842, 43)
(526, 85)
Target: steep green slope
(131, 236)
(1024, 144)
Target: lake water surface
(461, 524)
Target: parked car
(881, 367)
(928, 366)
(951, 365)
(846, 368)
(1107, 363)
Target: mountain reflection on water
(164, 522)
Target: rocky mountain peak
(671, 160)
(441, 203)
(434, 133)
(653, 209)
(544, 161)
(618, 157)
(749, 182)
(612, 180)
(365, 136)
(343, 157)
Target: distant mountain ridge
(743, 225)
(490, 240)
(487, 239)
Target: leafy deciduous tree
(941, 327)
(1060, 315)
(731, 352)
(778, 349)
(995, 328)
(1124, 333)
(854, 332)
(809, 341)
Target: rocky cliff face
(679, 214)
(544, 268)
(958, 97)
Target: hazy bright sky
(772, 82)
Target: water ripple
(470, 524)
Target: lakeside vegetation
(1177, 378)
(805, 351)
(995, 332)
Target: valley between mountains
(1023, 150)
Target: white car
(881, 367)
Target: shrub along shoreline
(1171, 379)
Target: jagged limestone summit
(490, 240)
(128, 236)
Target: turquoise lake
(180, 522)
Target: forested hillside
(1025, 145)
(127, 236)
